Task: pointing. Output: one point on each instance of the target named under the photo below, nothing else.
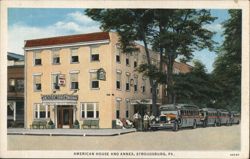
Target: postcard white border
(213, 4)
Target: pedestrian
(146, 121)
(136, 119)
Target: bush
(50, 122)
(76, 122)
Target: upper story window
(118, 54)
(136, 84)
(127, 81)
(37, 82)
(143, 85)
(55, 83)
(37, 58)
(94, 82)
(74, 55)
(136, 60)
(127, 60)
(12, 85)
(74, 81)
(118, 79)
(55, 56)
(94, 53)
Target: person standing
(146, 121)
(136, 119)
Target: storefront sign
(61, 97)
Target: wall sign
(101, 74)
(61, 97)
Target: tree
(180, 33)
(227, 67)
(196, 87)
(172, 32)
(131, 25)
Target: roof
(183, 67)
(15, 57)
(67, 39)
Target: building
(15, 101)
(84, 76)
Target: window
(11, 109)
(136, 84)
(37, 83)
(118, 79)
(55, 84)
(20, 85)
(90, 110)
(12, 85)
(143, 84)
(74, 80)
(118, 54)
(94, 82)
(127, 60)
(41, 111)
(94, 53)
(55, 56)
(127, 81)
(37, 58)
(127, 108)
(118, 105)
(74, 56)
(136, 60)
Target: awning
(59, 103)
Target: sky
(29, 23)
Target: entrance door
(64, 116)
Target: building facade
(15, 95)
(83, 77)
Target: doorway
(65, 116)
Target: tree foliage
(196, 87)
(227, 67)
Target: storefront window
(41, 111)
(90, 110)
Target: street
(210, 138)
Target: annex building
(84, 76)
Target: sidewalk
(69, 132)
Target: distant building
(15, 101)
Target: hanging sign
(61, 80)
(101, 74)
